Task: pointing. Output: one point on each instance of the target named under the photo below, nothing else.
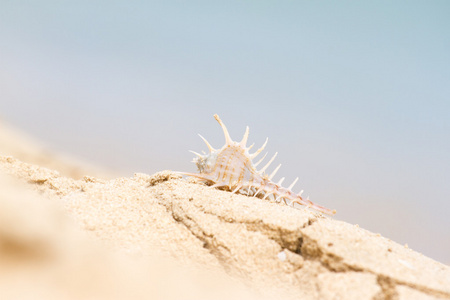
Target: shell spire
(232, 167)
(245, 138)
(228, 139)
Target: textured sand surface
(268, 246)
(160, 236)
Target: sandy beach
(70, 231)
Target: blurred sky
(354, 95)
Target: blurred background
(354, 96)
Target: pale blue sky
(354, 95)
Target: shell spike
(249, 188)
(211, 149)
(236, 189)
(274, 172)
(254, 155)
(217, 184)
(258, 191)
(245, 138)
(255, 165)
(292, 185)
(268, 164)
(281, 181)
(300, 194)
(198, 154)
(267, 195)
(250, 147)
(228, 139)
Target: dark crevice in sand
(287, 239)
(388, 291)
(422, 289)
(209, 241)
(389, 285)
(311, 250)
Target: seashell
(232, 168)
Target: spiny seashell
(232, 167)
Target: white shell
(232, 167)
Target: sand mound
(45, 255)
(273, 249)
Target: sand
(161, 236)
